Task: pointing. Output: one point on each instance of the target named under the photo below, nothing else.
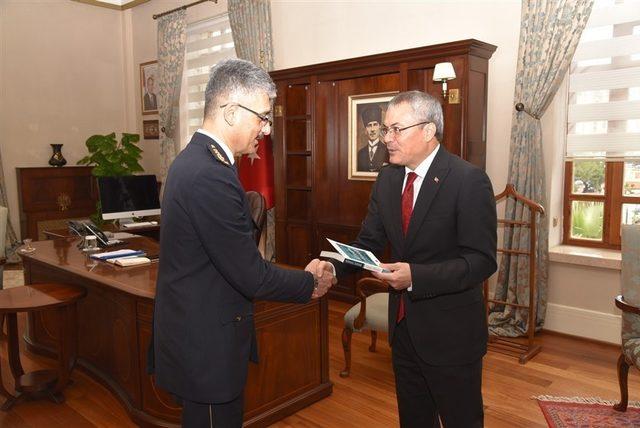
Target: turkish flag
(256, 170)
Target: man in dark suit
(210, 268)
(438, 214)
(374, 155)
(150, 102)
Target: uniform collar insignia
(216, 153)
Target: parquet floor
(566, 366)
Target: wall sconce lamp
(442, 73)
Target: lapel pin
(436, 179)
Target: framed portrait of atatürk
(149, 87)
(367, 150)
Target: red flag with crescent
(256, 171)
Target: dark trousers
(209, 415)
(425, 392)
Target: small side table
(37, 297)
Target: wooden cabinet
(315, 199)
(50, 196)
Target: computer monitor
(128, 196)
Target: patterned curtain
(549, 33)
(171, 43)
(251, 28)
(11, 240)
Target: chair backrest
(4, 212)
(631, 279)
(258, 207)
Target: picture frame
(151, 129)
(364, 110)
(149, 98)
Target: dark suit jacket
(150, 102)
(210, 272)
(451, 248)
(380, 157)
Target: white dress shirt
(421, 172)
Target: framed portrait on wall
(151, 129)
(367, 150)
(149, 87)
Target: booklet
(354, 256)
(130, 261)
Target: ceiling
(113, 4)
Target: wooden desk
(114, 328)
(32, 298)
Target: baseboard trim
(579, 322)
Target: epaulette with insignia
(216, 154)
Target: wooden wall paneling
(353, 197)
(336, 205)
(299, 242)
(477, 111)
(326, 156)
(280, 169)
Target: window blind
(604, 84)
(208, 42)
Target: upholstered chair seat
(377, 314)
(629, 303)
(370, 313)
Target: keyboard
(139, 224)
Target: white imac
(128, 196)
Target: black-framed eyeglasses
(264, 119)
(394, 130)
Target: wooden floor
(566, 366)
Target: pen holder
(90, 243)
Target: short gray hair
(235, 76)
(426, 108)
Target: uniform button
(238, 318)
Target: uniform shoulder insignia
(216, 154)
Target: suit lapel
(435, 177)
(396, 179)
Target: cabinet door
(299, 243)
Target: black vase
(57, 159)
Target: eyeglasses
(394, 130)
(264, 119)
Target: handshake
(323, 275)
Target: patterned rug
(578, 412)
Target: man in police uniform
(374, 155)
(210, 268)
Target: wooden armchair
(629, 303)
(370, 313)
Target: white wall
(308, 32)
(62, 80)
(142, 29)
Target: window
(208, 42)
(602, 170)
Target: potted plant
(112, 159)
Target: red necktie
(407, 209)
